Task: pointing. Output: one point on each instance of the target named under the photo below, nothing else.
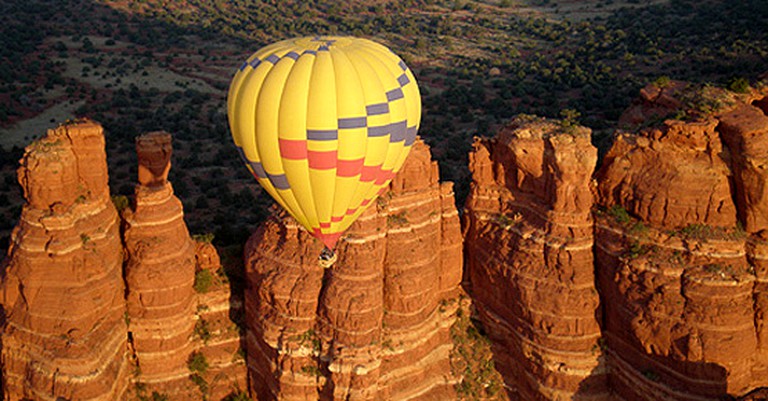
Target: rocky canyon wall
(676, 221)
(371, 327)
(645, 280)
(529, 236)
(91, 314)
(65, 332)
(680, 246)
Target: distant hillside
(138, 66)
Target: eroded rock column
(63, 289)
(159, 273)
(528, 239)
(369, 328)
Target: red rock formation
(63, 288)
(169, 323)
(370, 327)
(528, 237)
(745, 131)
(670, 176)
(681, 281)
(218, 326)
(656, 102)
(159, 273)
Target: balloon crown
(324, 123)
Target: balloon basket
(327, 258)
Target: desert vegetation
(139, 66)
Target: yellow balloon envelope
(324, 123)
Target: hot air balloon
(324, 123)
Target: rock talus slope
(370, 327)
(528, 240)
(63, 288)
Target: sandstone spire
(159, 272)
(529, 235)
(370, 328)
(63, 287)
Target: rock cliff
(680, 248)
(372, 326)
(676, 221)
(529, 236)
(645, 280)
(92, 317)
(65, 332)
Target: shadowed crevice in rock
(762, 104)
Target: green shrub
(398, 219)
(662, 81)
(207, 237)
(121, 202)
(739, 85)
(619, 214)
(203, 281)
(197, 363)
(202, 330)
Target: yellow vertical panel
(267, 117)
(292, 126)
(406, 109)
(346, 187)
(325, 204)
(243, 124)
(350, 103)
(292, 117)
(387, 64)
(388, 72)
(364, 188)
(353, 142)
(410, 90)
(374, 93)
(242, 73)
(322, 116)
(413, 100)
(321, 106)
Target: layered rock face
(680, 251)
(70, 332)
(371, 327)
(63, 287)
(218, 327)
(680, 246)
(171, 325)
(159, 272)
(529, 236)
